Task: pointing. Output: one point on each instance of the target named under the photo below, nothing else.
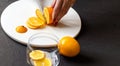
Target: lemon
(44, 62)
(37, 55)
(68, 46)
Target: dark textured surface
(99, 37)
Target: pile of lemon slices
(41, 19)
(39, 58)
(38, 21)
(35, 22)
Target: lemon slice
(34, 21)
(39, 14)
(30, 26)
(48, 14)
(44, 62)
(37, 55)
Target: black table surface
(99, 37)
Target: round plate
(18, 12)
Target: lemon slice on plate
(48, 14)
(34, 22)
(39, 14)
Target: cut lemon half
(37, 55)
(44, 62)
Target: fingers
(61, 7)
(57, 9)
(64, 9)
(72, 2)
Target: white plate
(18, 12)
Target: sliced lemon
(30, 26)
(37, 55)
(39, 14)
(34, 21)
(48, 14)
(44, 62)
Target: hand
(60, 8)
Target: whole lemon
(68, 46)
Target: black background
(99, 37)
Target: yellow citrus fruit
(30, 26)
(37, 55)
(21, 29)
(48, 14)
(39, 14)
(68, 46)
(44, 62)
(34, 22)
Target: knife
(40, 3)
